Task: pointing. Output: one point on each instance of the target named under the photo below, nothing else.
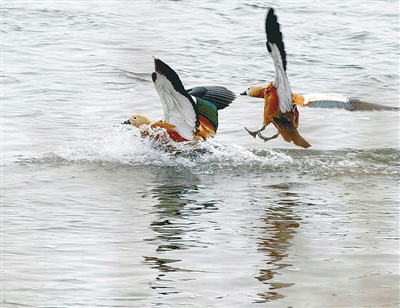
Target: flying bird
(281, 104)
(189, 115)
(279, 108)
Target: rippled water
(95, 216)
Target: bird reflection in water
(176, 204)
(280, 227)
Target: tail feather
(289, 132)
(300, 141)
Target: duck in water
(189, 115)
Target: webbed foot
(256, 132)
(267, 138)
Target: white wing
(179, 107)
(310, 98)
(276, 49)
(281, 81)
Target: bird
(189, 115)
(281, 87)
(279, 108)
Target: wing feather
(276, 49)
(360, 105)
(221, 97)
(209, 111)
(333, 100)
(179, 107)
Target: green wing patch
(209, 111)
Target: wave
(121, 146)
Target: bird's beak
(127, 122)
(243, 93)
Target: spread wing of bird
(221, 97)
(209, 100)
(276, 49)
(179, 107)
(333, 100)
(208, 116)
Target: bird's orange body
(168, 132)
(204, 131)
(287, 122)
(271, 104)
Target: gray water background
(94, 216)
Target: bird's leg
(267, 138)
(254, 134)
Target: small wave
(122, 146)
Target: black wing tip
(164, 69)
(158, 61)
(272, 27)
(271, 15)
(274, 34)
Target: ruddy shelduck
(281, 104)
(189, 115)
(279, 108)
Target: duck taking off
(280, 103)
(189, 115)
(279, 108)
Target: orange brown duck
(280, 104)
(189, 115)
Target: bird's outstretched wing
(208, 117)
(209, 100)
(221, 97)
(179, 107)
(333, 100)
(276, 49)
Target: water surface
(95, 216)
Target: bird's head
(138, 120)
(256, 90)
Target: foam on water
(123, 146)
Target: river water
(94, 216)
